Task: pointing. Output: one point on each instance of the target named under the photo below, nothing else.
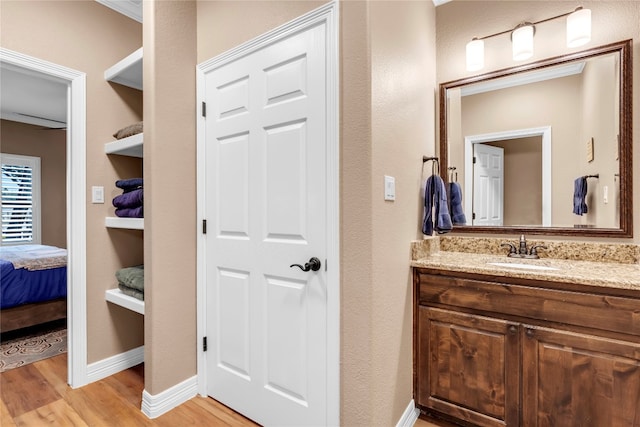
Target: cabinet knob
(513, 329)
(530, 332)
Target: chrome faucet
(522, 251)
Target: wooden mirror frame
(624, 48)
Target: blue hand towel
(457, 213)
(579, 196)
(436, 211)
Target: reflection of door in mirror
(527, 195)
(488, 185)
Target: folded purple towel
(132, 199)
(129, 184)
(130, 212)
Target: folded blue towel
(457, 213)
(435, 200)
(129, 184)
(132, 199)
(130, 212)
(579, 196)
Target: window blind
(19, 201)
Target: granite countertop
(581, 263)
(591, 273)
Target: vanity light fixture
(475, 55)
(579, 27)
(578, 33)
(522, 41)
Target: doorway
(543, 132)
(268, 190)
(76, 200)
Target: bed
(33, 285)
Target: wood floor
(38, 395)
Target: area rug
(32, 345)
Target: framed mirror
(543, 148)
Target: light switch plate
(389, 188)
(97, 194)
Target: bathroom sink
(523, 266)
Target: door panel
(286, 183)
(266, 195)
(233, 321)
(233, 197)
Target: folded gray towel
(131, 292)
(132, 277)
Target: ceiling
(30, 98)
(130, 8)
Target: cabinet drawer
(606, 313)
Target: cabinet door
(579, 380)
(468, 367)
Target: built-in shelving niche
(127, 72)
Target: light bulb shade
(475, 55)
(579, 28)
(522, 42)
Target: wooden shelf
(130, 223)
(116, 296)
(127, 72)
(129, 146)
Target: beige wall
(89, 37)
(459, 21)
(403, 127)
(51, 147)
(170, 193)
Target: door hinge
(474, 160)
(204, 109)
(204, 226)
(204, 343)
(473, 216)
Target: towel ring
(435, 166)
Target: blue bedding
(24, 286)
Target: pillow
(128, 131)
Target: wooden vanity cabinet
(488, 352)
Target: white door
(265, 203)
(488, 185)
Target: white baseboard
(154, 406)
(410, 416)
(114, 364)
